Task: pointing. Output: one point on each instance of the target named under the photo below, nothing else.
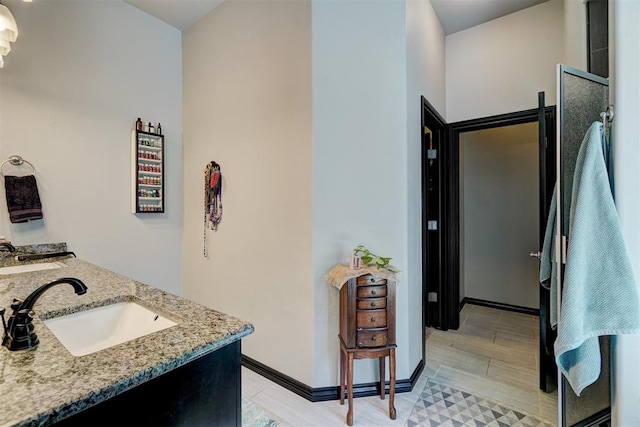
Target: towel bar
(16, 161)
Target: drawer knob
(373, 292)
(373, 338)
(372, 279)
(373, 304)
(373, 319)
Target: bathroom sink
(15, 269)
(93, 330)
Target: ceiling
(454, 15)
(177, 13)
(458, 15)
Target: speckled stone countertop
(47, 384)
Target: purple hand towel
(23, 200)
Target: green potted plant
(368, 257)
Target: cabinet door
(147, 172)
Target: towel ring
(16, 161)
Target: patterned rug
(441, 405)
(253, 416)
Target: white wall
(77, 78)
(425, 77)
(247, 106)
(500, 66)
(499, 214)
(359, 161)
(574, 42)
(624, 53)
(425, 62)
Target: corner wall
(247, 106)
(75, 81)
(425, 77)
(624, 54)
(359, 162)
(500, 66)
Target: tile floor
(493, 355)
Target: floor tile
(253, 383)
(492, 350)
(480, 311)
(516, 375)
(515, 328)
(456, 358)
(548, 406)
(296, 410)
(441, 338)
(512, 316)
(515, 397)
(443, 405)
(507, 339)
(471, 329)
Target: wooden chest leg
(392, 382)
(342, 374)
(350, 388)
(381, 362)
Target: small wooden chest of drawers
(367, 330)
(367, 313)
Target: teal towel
(599, 295)
(548, 264)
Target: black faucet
(9, 246)
(31, 257)
(19, 331)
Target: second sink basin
(25, 268)
(93, 330)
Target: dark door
(546, 140)
(433, 127)
(431, 184)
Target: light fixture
(5, 47)
(8, 24)
(8, 32)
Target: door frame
(451, 296)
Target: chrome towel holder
(607, 116)
(16, 161)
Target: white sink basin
(15, 269)
(93, 330)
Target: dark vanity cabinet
(203, 392)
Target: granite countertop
(47, 384)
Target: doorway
(499, 227)
(442, 264)
(496, 177)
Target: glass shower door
(581, 98)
